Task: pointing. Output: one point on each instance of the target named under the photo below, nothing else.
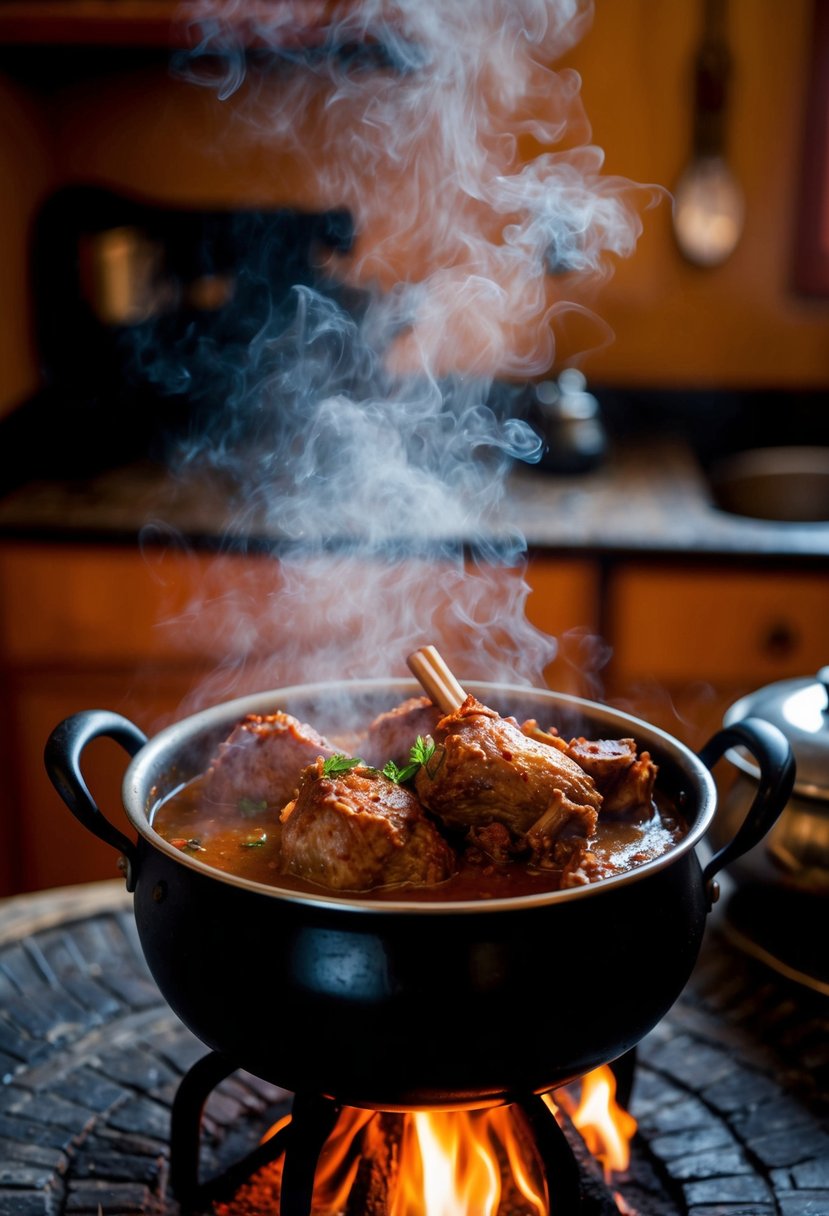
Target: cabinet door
(564, 603)
(117, 605)
(687, 641)
(51, 849)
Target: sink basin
(788, 484)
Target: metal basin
(787, 484)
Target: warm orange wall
(741, 324)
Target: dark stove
(731, 1090)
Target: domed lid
(800, 708)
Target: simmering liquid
(248, 845)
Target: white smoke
(370, 443)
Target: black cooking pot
(406, 1004)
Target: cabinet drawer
(564, 603)
(677, 624)
(71, 604)
(67, 604)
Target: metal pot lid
(800, 708)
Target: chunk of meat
(261, 761)
(492, 840)
(358, 830)
(391, 735)
(487, 770)
(624, 778)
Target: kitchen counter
(647, 498)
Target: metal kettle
(795, 853)
(778, 896)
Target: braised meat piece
(391, 735)
(625, 779)
(485, 769)
(355, 830)
(491, 841)
(261, 761)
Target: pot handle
(63, 764)
(772, 751)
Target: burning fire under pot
(325, 1158)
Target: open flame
(606, 1128)
(448, 1163)
(456, 1165)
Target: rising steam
(360, 425)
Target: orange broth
(247, 845)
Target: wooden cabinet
(83, 627)
(564, 603)
(687, 639)
(157, 633)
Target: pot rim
(138, 786)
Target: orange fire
(606, 1128)
(448, 1163)
(456, 1165)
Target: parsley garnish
(254, 842)
(397, 774)
(421, 752)
(337, 764)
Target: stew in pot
(433, 805)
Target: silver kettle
(795, 853)
(778, 896)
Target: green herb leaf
(249, 808)
(339, 763)
(422, 750)
(254, 842)
(397, 774)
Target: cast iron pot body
(406, 1004)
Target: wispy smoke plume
(360, 424)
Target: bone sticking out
(437, 681)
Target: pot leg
(185, 1123)
(312, 1121)
(624, 1070)
(185, 1139)
(560, 1165)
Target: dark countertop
(647, 498)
